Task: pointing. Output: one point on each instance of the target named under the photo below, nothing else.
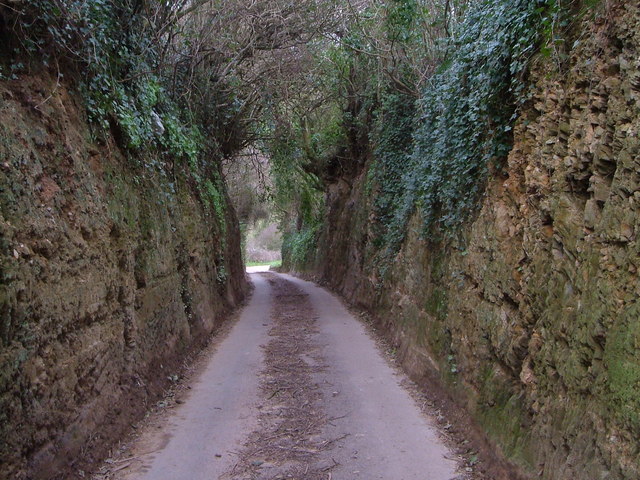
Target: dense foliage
(466, 114)
(120, 54)
(378, 58)
(184, 79)
(298, 194)
(111, 47)
(425, 92)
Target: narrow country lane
(297, 390)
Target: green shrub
(299, 247)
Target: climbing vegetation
(466, 112)
(122, 56)
(184, 80)
(424, 92)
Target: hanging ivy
(463, 123)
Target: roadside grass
(274, 264)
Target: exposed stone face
(110, 274)
(532, 315)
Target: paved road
(377, 430)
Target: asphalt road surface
(298, 389)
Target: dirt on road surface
(296, 390)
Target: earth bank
(529, 316)
(111, 273)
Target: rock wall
(111, 273)
(531, 316)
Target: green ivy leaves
(463, 124)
